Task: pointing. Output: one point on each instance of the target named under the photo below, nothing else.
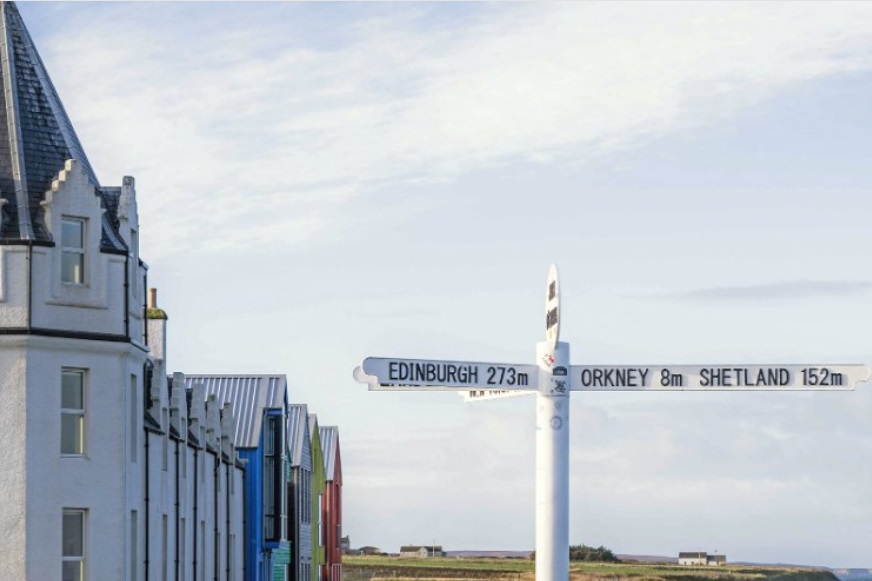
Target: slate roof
(36, 137)
(251, 396)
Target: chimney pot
(152, 298)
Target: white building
(701, 558)
(692, 558)
(105, 473)
(421, 551)
(193, 496)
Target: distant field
(444, 569)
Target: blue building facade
(260, 405)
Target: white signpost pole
(552, 465)
(552, 381)
(552, 445)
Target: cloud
(244, 130)
(803, 289)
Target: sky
(322, 182)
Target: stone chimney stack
(157, 327)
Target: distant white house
(418, 551)
(701, 558)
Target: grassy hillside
(393, 568)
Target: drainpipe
(227, 521)
(29, 287)
(146, 504)
(196, 522)
(177, 510)
(145, 309)
(127, 296)
(244, 520)
(215, 474)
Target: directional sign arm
(386, 374)
(811, 377)
(479, 395)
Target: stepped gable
(36, 138)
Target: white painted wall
(37, 481)
(211, 477)
(108, 481)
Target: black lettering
(704, 377)
(585, 377)
(471, 374)
(644, 374)
(597, 377)
(551, 318)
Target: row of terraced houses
(112, 466)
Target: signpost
(552, 378)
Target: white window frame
(81, 559)
(74, 250)
(75, 412)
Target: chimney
(157, 327)
(197, 415)
(179, 405)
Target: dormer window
(73, 250)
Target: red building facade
(331, 505)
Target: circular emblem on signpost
(556, 423)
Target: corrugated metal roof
(250, 395)
(298, 425)
(329, 446)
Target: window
(73, 546)
(134, 547)
(72, 412)
(320, 522)
(273, 497)
(203, 551)
(165, 550)
(182, 541)
(307, 497)
(73, 250)
(231, 561)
